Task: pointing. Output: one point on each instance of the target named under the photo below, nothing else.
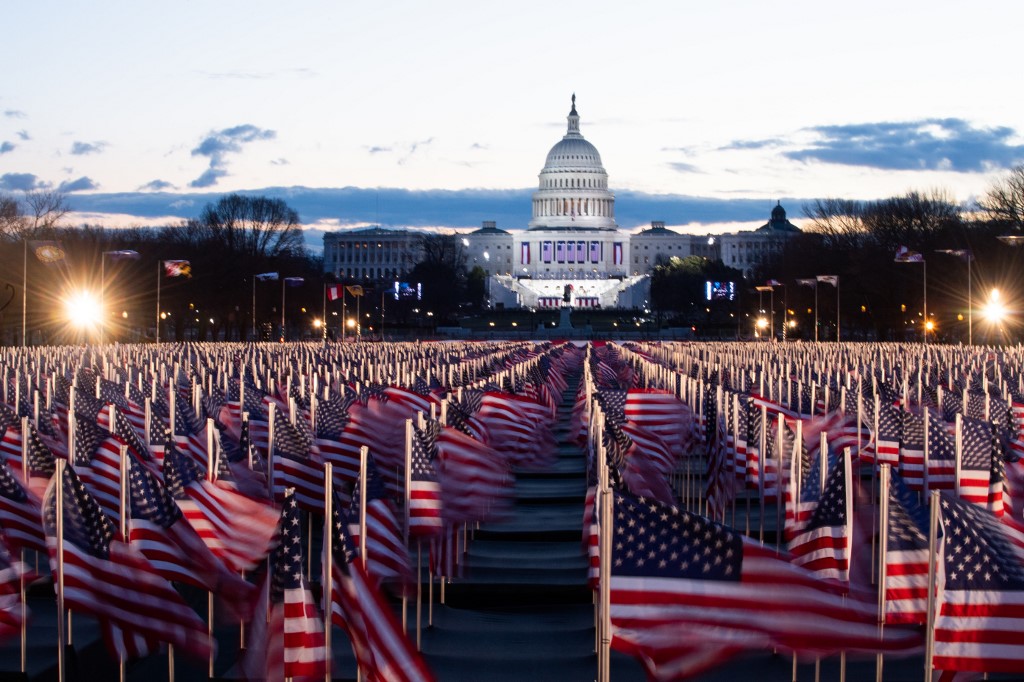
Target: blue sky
(441, 113)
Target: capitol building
(571, 246)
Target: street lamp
(994, 311)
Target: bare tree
(12, 222)
(45, 209)
(839, 221)
(255, 227)
(1004, 200)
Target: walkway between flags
(522, 609)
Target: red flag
(334, 292)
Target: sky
(440, 114)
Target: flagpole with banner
(262, 277)
(159, 271)
(834, 281)
(905, 255)
(24, 291)
(813, 283)
(114, 255)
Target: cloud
(218, 144)
(82, 184)
(23, 182)
(279, 162)
(14, 113)
(156, 186)
(477, 145)
(948, 144)
(23, 134)
(6, 147)
(209, 178)
(84, 148)
(300, 72)
(379, 150)
(413, 148)
(752, 144)
(683, 167)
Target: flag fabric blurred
(177, 268)
(109, 579)
(941, 464)
(386, 555)
(912, 450)
(161, 533)
(981, 593)
(267, 277)
(334, 292)
(425, 491)
(236, 528)
(20, 514)
(980, 471)
(810, 282)
(382, 648)
(688, 594)
(11, 572)
(294, 281)
(354, 289)
(288, 638)
(296, 465)
(823, 545)
(475, 483)
(828, 279)
(906, 557)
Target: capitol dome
(573, 190)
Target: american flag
(293, 617)
(288, 640)
(98, 463)
(386, 555)
(19, 514)
(475, 481)
(11, 572)
(823, 546)
(721, 487)
(237, 529)
(514, 423)
(688, 594)
(906, 557)
(981, 600)
(297, 465)
(425, 490)
(981, 466)
(887, 440)
(941, 454)
(952, 404)
(649, 464)
(912, 451)
(383, 650)
(109, 579)
(662, 413)
(160, 532)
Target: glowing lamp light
(994, 311)
(350, 323)
(83, 310)
(762, 323)
(317, 323)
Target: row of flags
(672, 605)
(200, 504)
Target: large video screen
(719, 291)
(408, 292)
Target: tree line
(879, 298)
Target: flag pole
(158, 266)
(103, 292)
(59, 492)
(838, 337)
(883, 548)
(343, 320)
(924, 269)
(815, 311)
(323, 322)
(970, 303)
(933, 548)
(328, 578)
(254, 308)
(282, 309)
(24, 291)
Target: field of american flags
(649, 414)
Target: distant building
(371, 254)
(572, 241)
